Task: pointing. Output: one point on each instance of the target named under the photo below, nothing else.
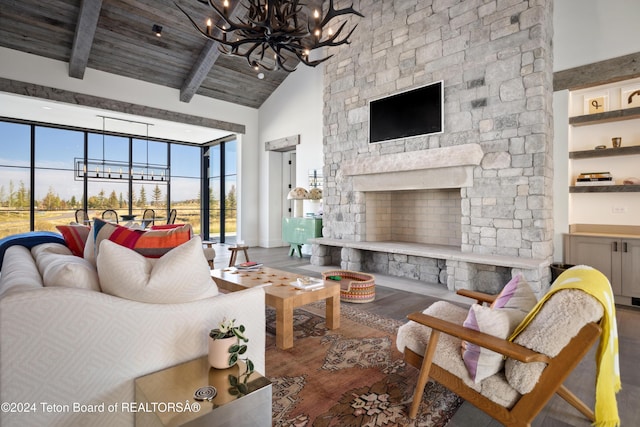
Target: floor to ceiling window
(185, 184)
(222, 191)
(46, 171)
(150, 185)
(105, 189)
(15, 178)
(56, 192)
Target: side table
(296, 232)
(234, 254)
(158, 392)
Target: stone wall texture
(495, 58)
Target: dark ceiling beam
(208, 56)
(83, 38)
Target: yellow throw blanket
(596, 284)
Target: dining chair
(110, 215)
(148, 218)
(172, 216)
(82, 217)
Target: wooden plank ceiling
(115, 36)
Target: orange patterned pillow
(75, 236)
(151, 244)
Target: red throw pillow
(75, 236)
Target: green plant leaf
(242, 349)
(240, 335)
(235, 348)
(233, 359)
(233, 380)
(243, 388)
(249, 366)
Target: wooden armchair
(427, 335)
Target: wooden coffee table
(282, 296)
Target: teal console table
(296, 231)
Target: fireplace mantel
(446, 167)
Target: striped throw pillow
(151, 244)
(75, 236)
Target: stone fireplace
(495, 152)
(430, 217)
(414, 197)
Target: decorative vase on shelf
(219, 352)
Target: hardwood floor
(395, 303)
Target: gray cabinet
(617, 258)
(630, 271)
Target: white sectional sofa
(66, 349)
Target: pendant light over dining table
(104, 169)
(273, 31)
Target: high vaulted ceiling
(115, 36)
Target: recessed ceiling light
(157, 29)
(261, 76)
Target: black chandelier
(279, 26)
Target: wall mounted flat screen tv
(412, 113)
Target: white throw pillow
(499, 322)
(505, 314)
(90, 248)
(59, 267)
(180, 275)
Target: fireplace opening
(431, 217)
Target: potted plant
(227, 345)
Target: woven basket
(355, 287)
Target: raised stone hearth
(495, 60)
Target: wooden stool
(234, 254)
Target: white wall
(585, 31)
(295, 108)
(560, 171)
(47, 72)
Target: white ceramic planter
(219, 352)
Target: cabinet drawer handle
(624, 247)
(615, 246)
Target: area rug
(351, 376)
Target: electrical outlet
(619, 209)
